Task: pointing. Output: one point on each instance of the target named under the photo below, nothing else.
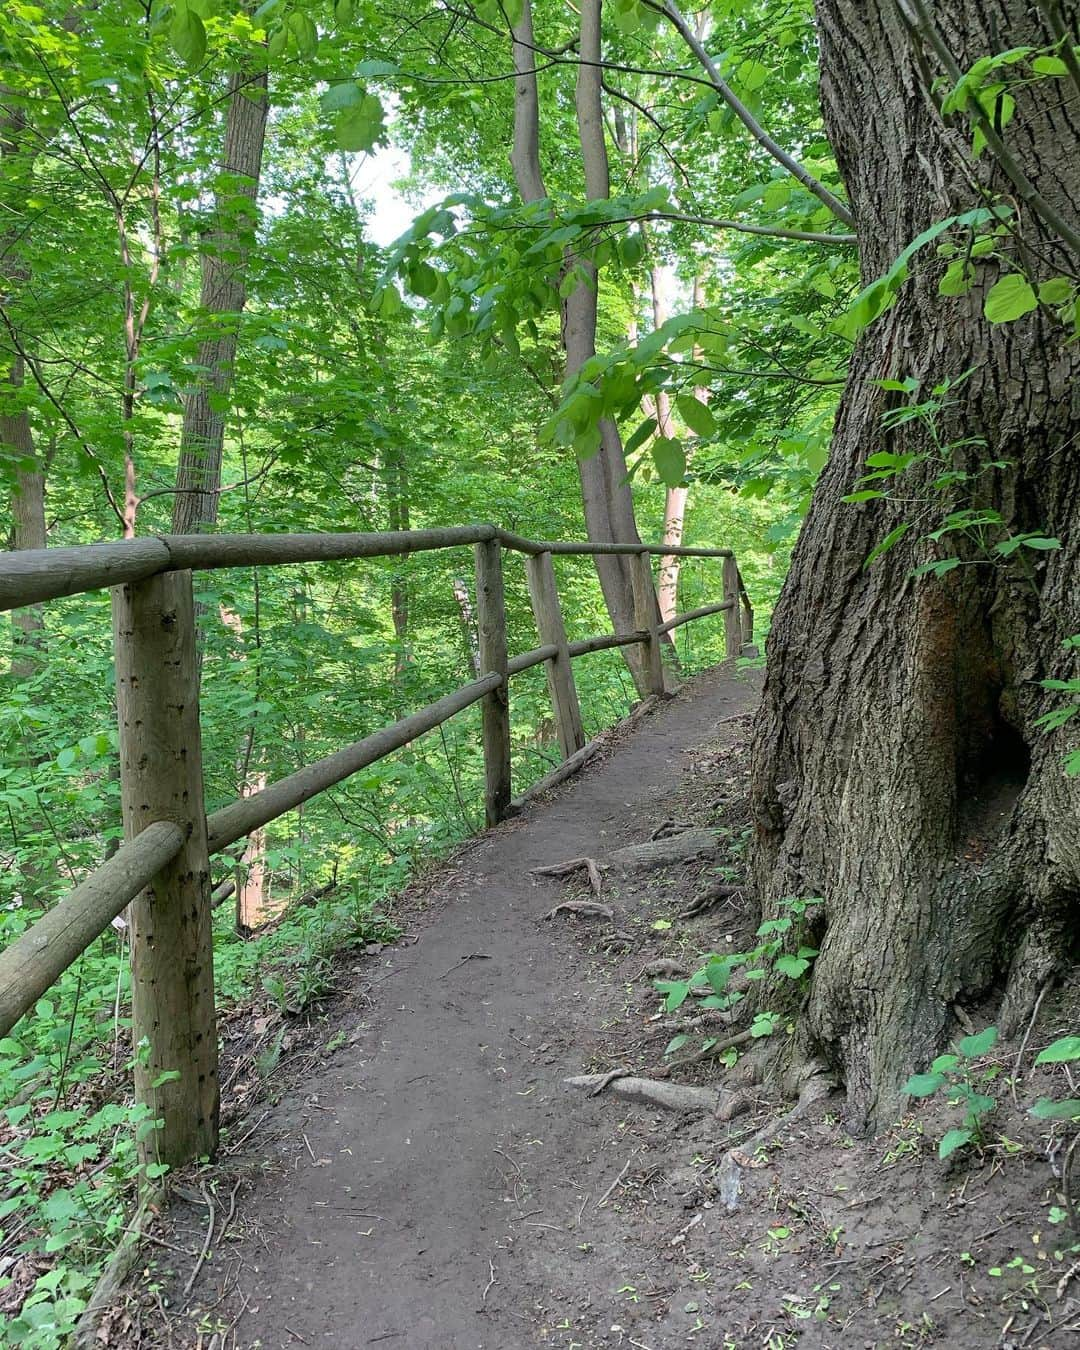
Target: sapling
(956, 1074)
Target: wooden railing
(163, 867)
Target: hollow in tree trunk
(898, 770)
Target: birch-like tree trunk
(606, 495)
(225, 250)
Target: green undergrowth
(68, 1127)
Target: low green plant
(955, 1075)
(1065, 1050)
(785, 931)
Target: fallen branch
(743, 1038)
(118, 1267)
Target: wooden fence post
(544, 594)
(646, 618)
(491, 627)
(172, 954)
(732, 621)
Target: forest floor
(418, 1176)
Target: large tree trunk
(224, 265)
(898, 772)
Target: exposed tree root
(1037, 963)
(684, 847)
(710, 897)
(566, 869)
(817, 1086)
(653, 1092)
(668, 828)
(587, 908)
(606, 1079)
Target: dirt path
(433, 1185)
(408, 1208)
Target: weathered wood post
(732, 622)
(491, 627)
(544, 594)
(172, 955)
(646, 618)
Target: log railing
(163, 867)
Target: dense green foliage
(373, 388)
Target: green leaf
(1056, 291)
(971, 1047)
(670, 460)
(696, 415)
(373, 70)
(864, 495)
(893, 537)
(640, 436)
(1049, 65)
(952, 1140)
(958, 279)
(792, 966)
(1009, 298)
(305, 34)
(676, 1043)
(923, 1084)
(341, 94)
(188, 36)
(361, 127)
(1047, 1109)
(1062, 1051)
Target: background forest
(209, 320)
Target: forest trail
(434, 1184)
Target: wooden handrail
(37, 959)
(701, 613)
(163, 867)
(32, 576)
(232, 822)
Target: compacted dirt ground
(427, 1180)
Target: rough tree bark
(605, 492)
(224, 264)
(898, 772)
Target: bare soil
(426, 1181)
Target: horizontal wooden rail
(232, 822)
(586, 548)
(604, 643)
(204, 552)
(33, 576)
(40, 956)
(702, 612)
(526, 660)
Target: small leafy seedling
(1065, 1050)
(955, 1074)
